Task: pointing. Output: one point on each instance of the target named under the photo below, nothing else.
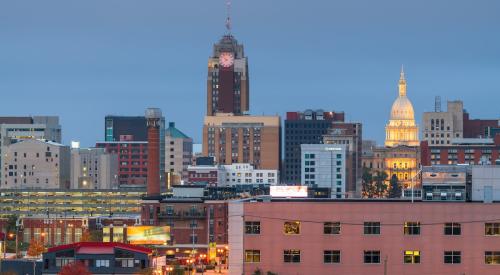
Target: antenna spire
(228, 18)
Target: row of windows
(372, 256)
(372, 228)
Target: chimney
(153, 117)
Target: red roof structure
(99, 248)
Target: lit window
(492, 229)
(331, 228)
(412, 228)
(492, 257)
(291, 256)
(252, 256)
(452, 257)
(291, 228)
(411, 257)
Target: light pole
(202, 258)
(11, 235)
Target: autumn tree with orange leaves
(36, 248)
(74, 268)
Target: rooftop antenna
(437, 104)
(228, 18)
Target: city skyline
(137, 59)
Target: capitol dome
(402, 129)
(402, 109)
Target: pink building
(307, 236)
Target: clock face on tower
(226, 59)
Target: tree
(36, 248)
(86, 236)
(368, 186)
(74, 268)
(96, 236)
(257, 272)
(395, 187)
(10, 233)
(380, 185)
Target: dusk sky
(82, 60)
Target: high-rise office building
(227, 81)
(324, 166)
(306, 127)
(243, 139)
(350, 135)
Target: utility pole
(385, 265)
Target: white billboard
(288, 191)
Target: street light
(169, 269)
(203, 257)
(189, 262)
(12, 235)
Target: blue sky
(82, 60)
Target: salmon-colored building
(324, 236)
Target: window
(252, 227)
(452, 257)
(492, 229)
(291, 228)
(411, 257)
(412, 228)
(252, 256)
(291, 256)
(331, 228)
(452, 228)
(372, 257)
(60, 262)
(331, 256)
(101, 263)
(372, 228)
(492, 257)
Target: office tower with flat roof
(306, 127)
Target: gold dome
(401, 129)
(402, 109)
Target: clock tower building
(227, 81)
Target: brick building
(194, 222)
(132, 160)
(317, 236)
(243, 139)
(462, 151)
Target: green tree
(395, 187)
(368, 185)
(380, 184)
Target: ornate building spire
(402, 83)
